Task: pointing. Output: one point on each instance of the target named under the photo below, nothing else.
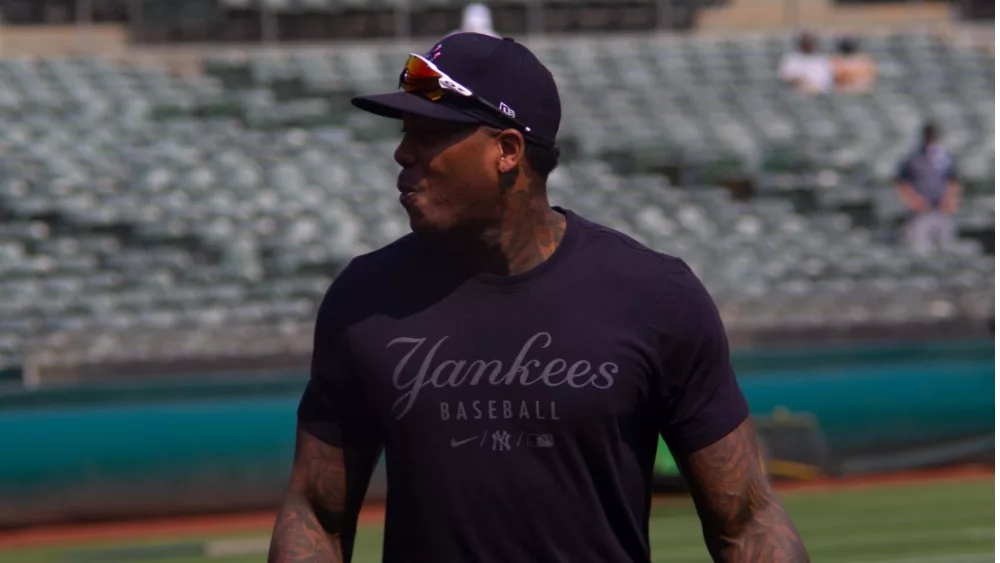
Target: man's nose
(405, 156)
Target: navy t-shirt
(520, 414)
(928, 172)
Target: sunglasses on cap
(423, 77)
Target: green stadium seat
(262, 175)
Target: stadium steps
(52, 41)
(784, 14)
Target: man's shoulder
(402, 254)
(615, 253)
(367, 274)
(660, 287)
(908, 159)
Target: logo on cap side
(507, 110)
(435, 52)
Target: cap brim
(395, 104)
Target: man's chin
(427, 230)
(420, 225)
(426, 227)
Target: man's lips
(406, 193)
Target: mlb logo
(540, 441)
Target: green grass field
(925, 523)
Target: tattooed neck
(528, 232)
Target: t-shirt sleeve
(333, 406)
(903, 174)
(950, 173)
(700, 401)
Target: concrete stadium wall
(62, 40)
(184, 447)
(771, 15)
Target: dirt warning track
(261, 522)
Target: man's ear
(512, 150)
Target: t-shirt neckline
(500, 282)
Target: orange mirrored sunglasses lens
(420, 78)
(417, 69)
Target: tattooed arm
(704, 418)
(318, 518)
(742, 519)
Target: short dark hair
(541, 159)
(848, 46)
(930, 132)
(806, 41)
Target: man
(805, 69)
(516, 361)
(477, 18)
(853, 70)
(926, 184)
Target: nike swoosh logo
(456, 443)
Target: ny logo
(501, 440)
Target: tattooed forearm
(768, 536)
(742, 519)
(311, 523)
(299, 537)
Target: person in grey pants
(927, 185)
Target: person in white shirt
(805, 69)
(477, 18)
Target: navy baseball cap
(476, 78)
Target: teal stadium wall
(193, 445)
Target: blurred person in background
(926, 184)
(806, 69)
(515, 361)
(853, 70)
(477, 18)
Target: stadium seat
(133, 199)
